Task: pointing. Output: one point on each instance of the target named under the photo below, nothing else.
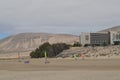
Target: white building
(99, 38)
(114, 36)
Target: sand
(60, 69)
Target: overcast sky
(58, 16)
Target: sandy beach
(60, 69)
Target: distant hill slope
(116, 28)
(29, 41)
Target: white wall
(113, 36)
(83, 40)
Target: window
(119, 36)
(114, 36)
(87, 37)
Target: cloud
(63, 16)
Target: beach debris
(27, 62)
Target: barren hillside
(29, 41)
(116, 28)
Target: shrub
(51, 50)
(77, 44)
(59, 47)
(86, 45)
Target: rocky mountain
(29, 41)
(116, 28)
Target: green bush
(51, 50)
(86, 45)
(77, 44)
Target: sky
(3, 36)
(57, 16)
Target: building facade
(85, 38)
(99, 38)
(114, 36)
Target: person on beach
(45, 55)
(75, 56)
(83, 56)
(19, 57)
